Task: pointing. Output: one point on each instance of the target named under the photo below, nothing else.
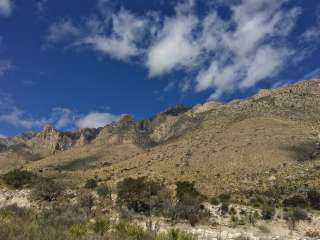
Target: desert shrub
(313, 197)
(8, 213)
(314, 234)
(91, 183)
(47, 190)
(189, 203)
(18, 178)
(140, 195)
(224, 208)
(104, 191)
(295, 201)
(101, 226)
(125, 231)
(175, 234)
(214, 201)
(224, 197)
(78, 231)
(295, 215)
(61, 215)
(69, 223)
(268, 212)
(187, 189)
(86, 201)
(258, 200)
(232, 211)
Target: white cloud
(312, 34)
(12, 115)
(6, 7)
(62, 31)
(2, 136)
(219, 54)
(249, 53)
(226, 54)
(60, 118)
(122, 43)
(96, 119)
(18, 118)
(174, 47)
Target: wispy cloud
(220, 54)
(61, 118)
(126, 33)
(6, 7)
(312, 34)
(96, 119)
(62, 31)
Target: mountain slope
(235, 147)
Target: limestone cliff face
(33, 146)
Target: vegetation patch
(19, 178)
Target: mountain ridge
(268, 130)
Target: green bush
(214, 201)
(175, 234)
(189, 203)
(295, 201)
(91, 184)
(104, 191)
(67, 223)
(295, 215)
(313, 197)
(86, 201)
(224, 197)
(101, 226)
(47, 190)
(268, 212)
(140, 195)
(187, 190)
(18, 178)
(224, 208)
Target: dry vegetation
(262, 153)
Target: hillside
(219, 146)
(249, 160)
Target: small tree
(189, 203)
(138, 194)
(47, 190)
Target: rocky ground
(221, 230)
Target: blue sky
(84, 63)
